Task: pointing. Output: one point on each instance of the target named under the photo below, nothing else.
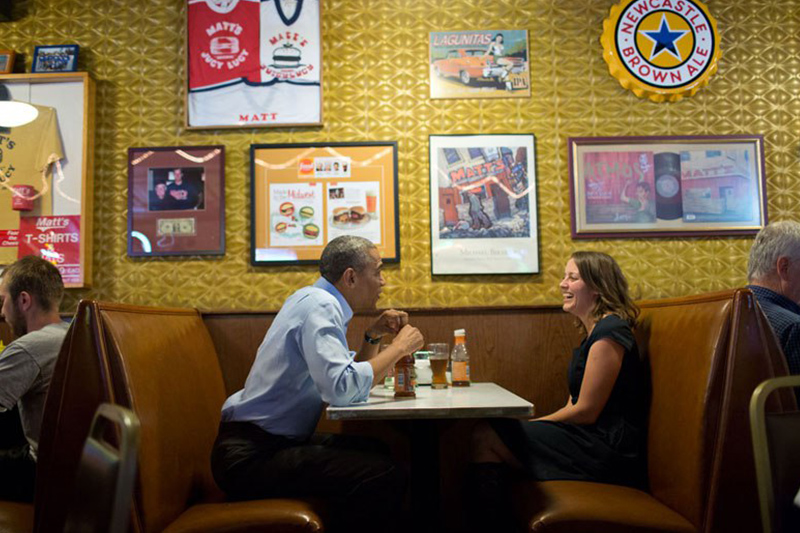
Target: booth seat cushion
(583, 507)
(16, 517)
(284, 516)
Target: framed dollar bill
(176, 201)
(667, 186)
(253, 63)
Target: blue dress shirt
(302, 362)
(784, 316)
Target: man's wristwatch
(370, 339)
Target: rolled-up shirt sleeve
(339, 379)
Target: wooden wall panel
(526, 349)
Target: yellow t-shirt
(26, 155)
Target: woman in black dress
(599, 434)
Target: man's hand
(408, 340)
(390, 321)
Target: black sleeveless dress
(609, 451)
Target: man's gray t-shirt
(26, 366)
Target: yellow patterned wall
(376, 88)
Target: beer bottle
(460, 359)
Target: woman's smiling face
(579, 299)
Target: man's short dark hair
(38, 278)
(342, 253)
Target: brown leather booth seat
(706, 355)
(162, 365)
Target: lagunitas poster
(480, 64)
(55, 239)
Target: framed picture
(305, 195)
(667, 186)
(50, 213)
(253, 64)
(483, 204)
(480, 64)
(176, 201)
(6, 61)
(61, 58)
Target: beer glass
(439, 356)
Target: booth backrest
(165, 369)
(80, 383)
(706, 355)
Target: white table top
(476, 401)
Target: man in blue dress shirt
(774, 275)
(267, 448)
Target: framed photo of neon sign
(483, 204)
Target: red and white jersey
(276, 82)
(224, 39)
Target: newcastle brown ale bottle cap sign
(661, 49)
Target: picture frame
(55, 58)
(305, 195)
(59, 227)
(479, 64)
(176, 201)
(253, 64)
(7, 61)
(484, 214)
(631, 187)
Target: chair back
(106, 474)
(776, 445)
(165, 369)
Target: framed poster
(47, 174)
(480, 64)
(253, 64)
(483, 204)
(667, 186)
(305, 195)
(176, 201)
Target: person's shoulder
(616, 328)
(50, 332)
(312, 297)
(612, 322)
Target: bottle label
(460, 371)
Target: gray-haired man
(774, 276)
(266, 447)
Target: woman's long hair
(602, 274)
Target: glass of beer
(439, 356)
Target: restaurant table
(479, 400)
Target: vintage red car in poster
(474, 64)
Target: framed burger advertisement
(305, 195)
(176, 201)
(667, 186)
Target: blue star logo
(664, 39)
